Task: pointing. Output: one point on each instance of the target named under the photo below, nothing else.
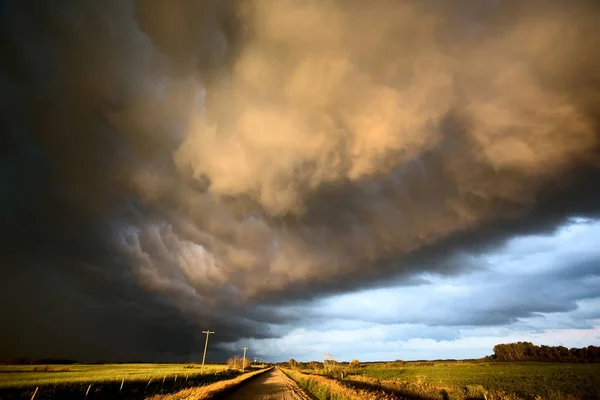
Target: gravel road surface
(272, 385)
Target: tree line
(527, 351)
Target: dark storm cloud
(79, 117)
(171, 166)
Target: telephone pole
(205, 346)
(244, 359)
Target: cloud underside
(169, 166)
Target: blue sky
(539, 288)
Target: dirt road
(272, 385)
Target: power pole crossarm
(205, 346)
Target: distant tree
(293, 363)
(355, 363)
(315, 365)
(526, 351)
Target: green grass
(526, 379)
(14, 376)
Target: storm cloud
(174, 166)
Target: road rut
(272, 385)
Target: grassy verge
(209, 391)
(330, 389)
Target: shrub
(237, 362)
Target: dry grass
(331, 389)
(207, 391)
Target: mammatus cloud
(226, 156)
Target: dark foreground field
(108, 381)
(469, 380)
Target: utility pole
(244, 359)
(205, 346)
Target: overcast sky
(403, 180)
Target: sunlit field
(41, 375)
(525, 378)
(465, 379)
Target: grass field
(524, 378)
(13, 376)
